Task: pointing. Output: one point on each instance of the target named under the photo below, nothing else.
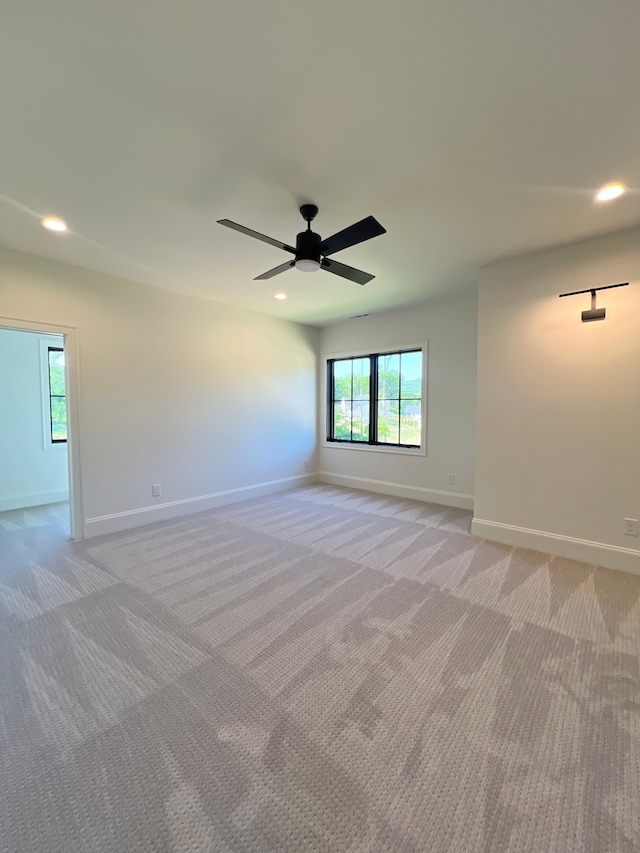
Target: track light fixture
(594, 313)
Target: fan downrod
(309, 212)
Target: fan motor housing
(308, 246)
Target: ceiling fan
(311, 251)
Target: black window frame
(373, 398)
(56, 396)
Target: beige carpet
(325, 670)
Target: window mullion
(400, 398)
(373, 400)
(330, 394)
(351, 406)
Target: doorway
(39, 470)
(34, 471)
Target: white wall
(200, 397)
(558, 414)
(32, 471)
(449, 329)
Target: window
(57, 396)
(376, 399)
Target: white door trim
(72, 379)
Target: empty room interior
(319, 427)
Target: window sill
(375, 448)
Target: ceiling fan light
(307, 265)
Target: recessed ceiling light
(280, 295)
(53, 223)
(610, 191)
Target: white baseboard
(33, 499)
(174, 509)
(594, 553)
(399, 490)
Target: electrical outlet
(156, 490)
(450, 479)
(631, 527)
(306, 463)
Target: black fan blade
(275, 271)
(358, 233)
(346, 272)
(278, 243)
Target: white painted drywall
(32, 472)
(200, 397)
(558, 413)
(449, 329)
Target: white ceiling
(472, 130)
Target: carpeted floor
(50, 521)
(324, 670)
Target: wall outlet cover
(631, 527)
(156, 490)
